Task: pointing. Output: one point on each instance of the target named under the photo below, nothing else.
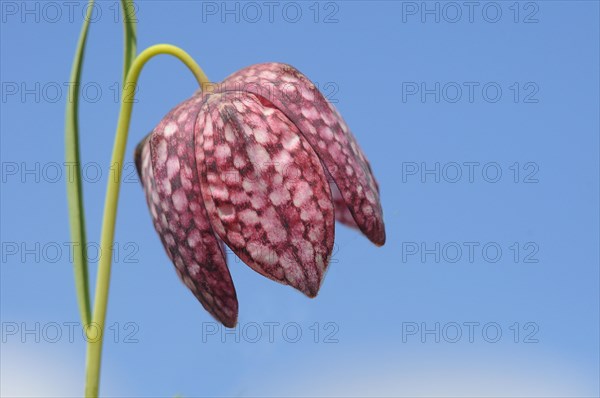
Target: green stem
(94, 345)
(129, 28)
(74, 185)
(72, 153)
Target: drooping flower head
(264, 164)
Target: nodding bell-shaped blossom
(264, 164)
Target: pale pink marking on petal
(286, 230)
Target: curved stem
(94, 345)
(74, 185)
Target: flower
(263, 163)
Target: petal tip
(380, 239)
(306, 287)
(230, 323)
(314, 288)
(374, 230)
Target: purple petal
(167, 166)
(265, 190)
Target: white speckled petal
(265, 189)
(167, 167)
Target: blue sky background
(367, 57)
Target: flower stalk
(94, 345)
